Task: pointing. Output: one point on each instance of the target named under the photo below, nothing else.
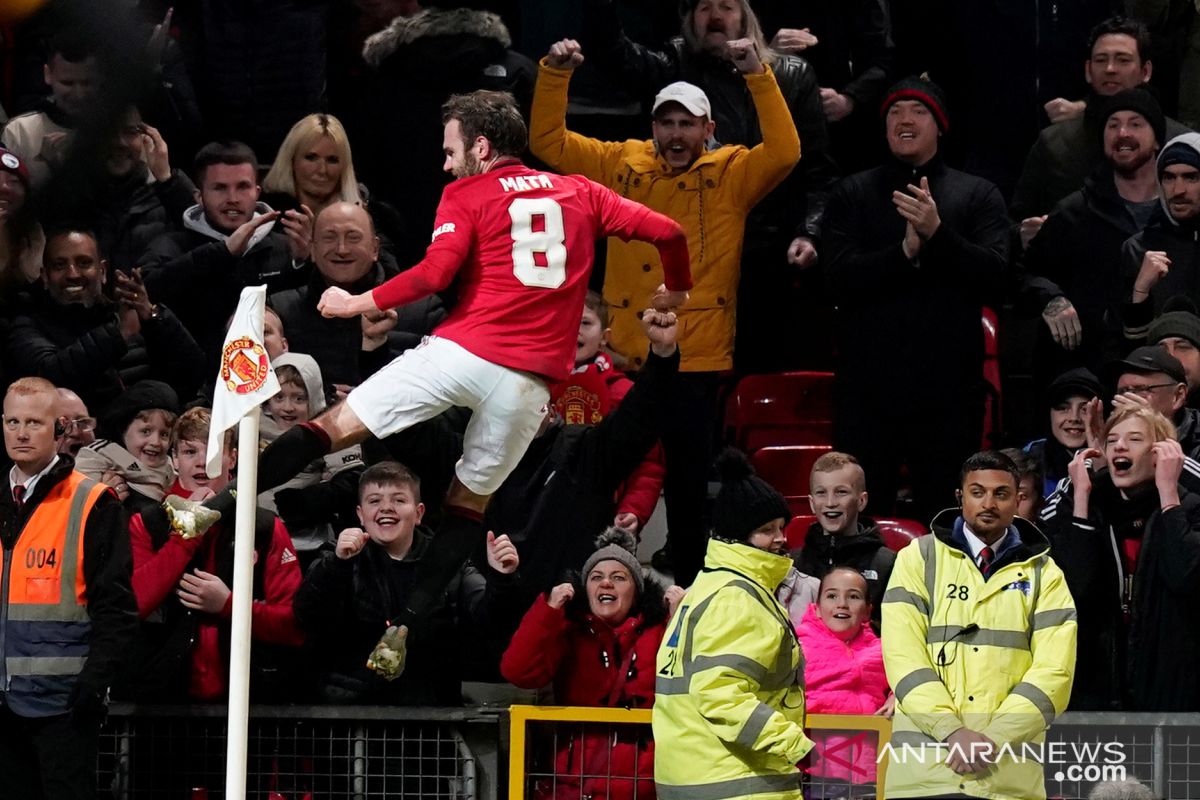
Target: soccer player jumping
(521, 242)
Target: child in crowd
(351, 594)
(843, 674)
(300, 398)
(182, 586)
(1075, 404)
(594, 389)
(132, 458)
(841, 537)
(1032, 478)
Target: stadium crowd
(857, 186)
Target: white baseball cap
(688, 95)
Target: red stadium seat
(991, 380)
(797, 529)
(897, 533)
(787, 469)
(787, 408)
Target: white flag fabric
(246, 379)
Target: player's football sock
(293, 451)
(460, 533)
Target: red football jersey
(524, 242)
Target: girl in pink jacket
(843, 674)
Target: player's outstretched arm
(337, 302)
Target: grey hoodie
(194, 220)
(1189, 139)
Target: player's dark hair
(492, 115)
(231, 153)
(1119, 25)
(390, 473)
(989, 460)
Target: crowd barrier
(534, 752)
(304, 753)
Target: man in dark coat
(914, 251)
(230, 240)
(1073, 266)
(71, 334)
(346, 254)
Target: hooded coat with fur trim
(453, 51)
(593, 664)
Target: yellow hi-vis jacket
(729, 695)
(710, 199)
(996, 656)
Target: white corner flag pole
(244, 382)
(243, 571)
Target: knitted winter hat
(745, 501)
(1183, 324)
(617, 544)
(142, 396)
(925, 92)
(1143, 102)
(1183, 149)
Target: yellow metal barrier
(520, 716)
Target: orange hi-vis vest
(44, 623)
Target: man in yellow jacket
(729, 694)
(706, 188)
(979, 645)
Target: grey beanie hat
(616, 544)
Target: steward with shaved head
(68, 612)
(346, 253)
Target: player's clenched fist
(337, 302)
(565, 54)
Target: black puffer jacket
(863, 550)
(131, 213)
(345, 605)
(196, 276)
(799, 201)
(419, 61)
(1077, 255)
(333, 342)
(82, 349)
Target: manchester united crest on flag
(244, 366)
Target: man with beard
(1067, 151)
(980, 644)
(709, 189)
(229, 241)
(1074, 264)
(521, 242)
(1164, 259)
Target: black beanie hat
(926, 92)
(745, 501)
(1143, 102)
(1183, 324)
(1180, 150)
(142, 396)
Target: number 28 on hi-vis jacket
(994, 655)
(729, 695)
